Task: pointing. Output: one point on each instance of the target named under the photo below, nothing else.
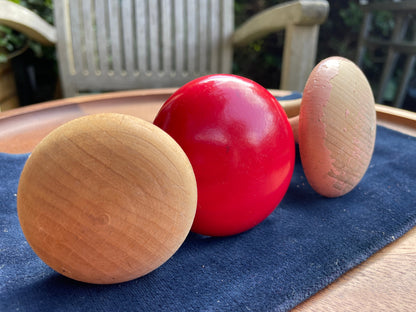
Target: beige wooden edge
(278, 17)
(292, 108)
(27, 22)
(391, 117)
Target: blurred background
(35, 70)
(338, 35)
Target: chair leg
(392, 56)
(365, 28)
(298, 62)
(407, 74)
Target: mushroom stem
(294, 123)
(292, 108)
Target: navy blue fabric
(292, 96)
(304, 245)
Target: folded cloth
(304, 245)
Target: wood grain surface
(106, 198)
(337, 127)
(385, 282)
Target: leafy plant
(338, 35)
(260, 60)
(11, 41)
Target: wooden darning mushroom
(106, 198)
(336, 126)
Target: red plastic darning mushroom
(239, 142)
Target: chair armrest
(27, 22)
(278, 17)
(300, 19)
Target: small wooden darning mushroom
(106, 198)
(336, 126)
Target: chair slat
(191, 36)
(179, 26)
(128, 36)
(203, 37)
(227, 24)
(141, 36)
(404, 82)
(102, 35)
(154, 36)
(214, 33)
(114, 23)
(409, 68)
(76, 31)
(64, 46)
(89, 26)
(398, 46)
(399, 31)
(365, 28)
(166, 17)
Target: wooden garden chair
(401, 43)
(114, 45)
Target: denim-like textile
(304, 245)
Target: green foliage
(260, 60)
(383, 24)
(12, 41)
(339, 35)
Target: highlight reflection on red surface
(240, 145)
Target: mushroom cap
(106, 198)
(337, 126)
